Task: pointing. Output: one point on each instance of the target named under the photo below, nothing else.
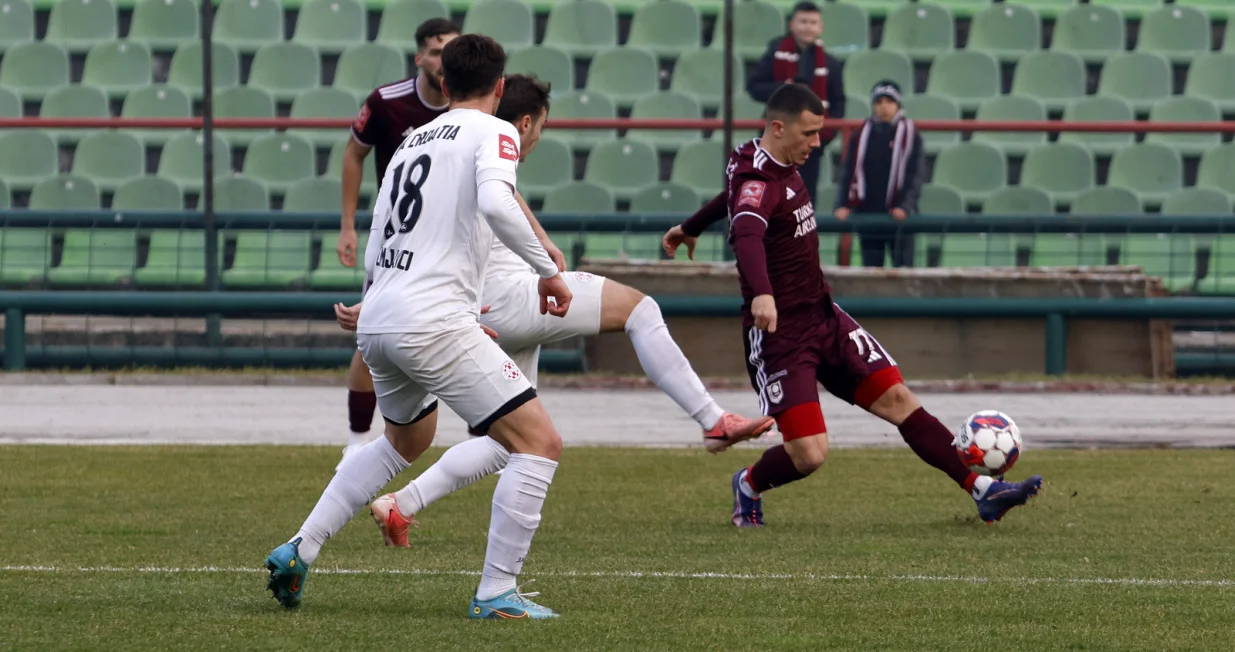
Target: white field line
(801, 577)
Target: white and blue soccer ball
(989, 442)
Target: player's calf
(804, 451)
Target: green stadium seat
(331, 26)
(1221, 277)
(65, 193)
(164, 25)
(175, 259)
(857, 106)
(965, 8)
(246, 25)
(623, 166)
(1006, 32)
(118, 67)
(937, 199)
(1141, 78)
(624, 74)
(24, 255)
(579, 198)
(548, 63)
(95, 258)
(1170, 257)
(1015, 108)
(269, 259)
(181, 160)
(666, 104)
(1179, 33)
(551, 163)
(1150, 170)
(330, 273)
(148, 194)
(846, 28)
(366, 66)
(1019, 200)
(666, 28)
(1099, 108)
(701, 74)
(582, 28)
(1212, 76)
(1068, 250)
(745, 108)
(324, 103)
(314, 195)
(75, 101)
(582, 104)
(1196, 201)
(509, 22)
(156, 102)
(185, 70)
(1092, 32)
(925, 106)
(10, 104)
(920, 30)
(1186, 109)
(1131, 9)
(864, 69)
(278, 161)
(665, 198)
(1217, 169)
(978, 250)
(1106, 200)
(78, 25)
(26, 157)
(109, 158)
(33, 69)
(1049, 9)
(880, 8)
(6, 200)
(400, 18)
(285, 70)
(965, 76)
(974, 169)
(1218, 10)
(233, 192)
(1054, 78)
(755, 22)
(334, 168)
(18, 24)
(244, 102)
(1062, 169)
(700, 166)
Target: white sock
(980, 486)
(360, 476)
(517, 501)
(357, 438)
(664, 363)
(460, 466)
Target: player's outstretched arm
(550, 248)
(497, 202)
(687, 233)
(353, 172)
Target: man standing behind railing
(799, 57)
(883, 174)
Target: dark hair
(524, 95)
(804, 7)
(434, 27)
(790, 100)
(472, 64)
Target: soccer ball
(988, 442)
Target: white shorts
(460, 365)
(514, 312)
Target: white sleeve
(497, 156)
(496, 200)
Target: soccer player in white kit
(448, 192)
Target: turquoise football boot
(511, 605)
(288, 573)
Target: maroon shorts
(812, 344)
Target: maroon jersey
(772, 229)
(388, 115)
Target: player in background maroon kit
(795, 335)
(389, 113)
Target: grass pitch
(1125, 550)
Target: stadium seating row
(283, 259)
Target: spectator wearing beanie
(882, 173)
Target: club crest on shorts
(751, 193)
(583, 277)
(510, 371)
(775, 393)
(506, 148)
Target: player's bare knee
(810, 455)
(896, 404)
(617, 302)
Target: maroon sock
(774, 469)
(360, 408)
(932, 442)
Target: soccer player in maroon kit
(795, 335)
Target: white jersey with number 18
(429, 243)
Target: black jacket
(761, 83)
(878, 168)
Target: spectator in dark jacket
(799, 57)
(882, 173)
